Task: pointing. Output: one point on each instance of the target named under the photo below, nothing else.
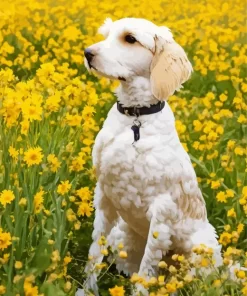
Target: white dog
(147, 196)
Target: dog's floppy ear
(105, 28)
(170, 66)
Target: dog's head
(136, 47)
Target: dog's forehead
(132, 25)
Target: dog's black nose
(89, 55)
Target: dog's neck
(136, 92)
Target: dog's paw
(85, 292)
(139, 290)
(80, 292)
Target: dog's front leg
(105, 217)
(161, 214)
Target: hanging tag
(136, 129)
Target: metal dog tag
(136, 129)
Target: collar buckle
(136, 111)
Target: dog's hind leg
(161, 214)
(105, 218)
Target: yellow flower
(172, 269)
(24, 126)
(18, 264)
(72, 198)
(217, 283)
(161, 279)
(38, 201)
(52, 102)
(235, 236)
(77, 164)
(223, 97)
(240, 274)
(171, 287)
(188, 278)
(85, 209)
(2, 290)
(77, 225)
(243, 201)
(71, 33)
(242, 118)
(244, 290)
(17, 278)
(231, 144)
(84, 193)
(215, 184)
(52, 277)
(104, 252)
(244, 191)
(5, 259)
(73, 120)
(240, 227)
(5, 239)
(53, 162)
(64, 187)
(47, 212)
(67, 286)
(227, 227)
(117, 291)
(225, 238)
(67, 260)
(70, 215)
(239, 151)
(30, 290)
(205, 262)
(31, 108)
(6, 197)
(87, 112)
(162, 264)
(33, 156)
(23, 202)
(135, 278)
(197, 125)
(102, 241)
(152, 281)
(231, 213)
(100, 266)
(123, 254)
(13, 152)
(120, 246)
(175, 257)
(55, 256)
(46, 70)
(221, 197)
(229, 193)
(155, 234)
(181, 258)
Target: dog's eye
(130, 39)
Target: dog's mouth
(92, 69)
(121, 78)
(106, 75)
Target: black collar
(137, 111)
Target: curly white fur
(150, 186)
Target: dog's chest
(132, 174)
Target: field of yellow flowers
(51, 110)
